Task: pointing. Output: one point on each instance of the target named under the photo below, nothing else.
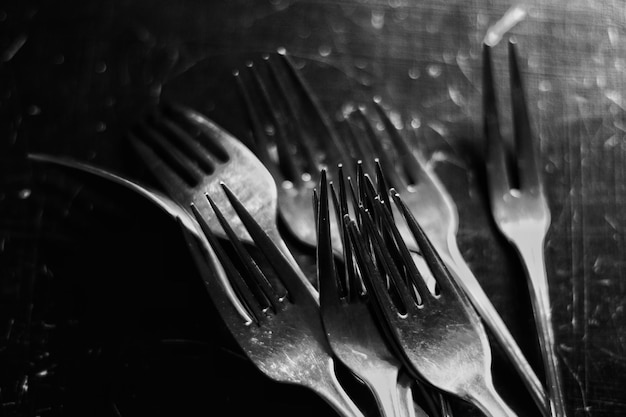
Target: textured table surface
(101, 311)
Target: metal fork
(301, 140)
(401, 167)
(520, 209)
(284, 338)
(349, 322)
(439, 334)
(190, 155)
(173, 209)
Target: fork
(520, 210)
(439, 334)
(285, 338)
(190, 155)
(421, 190)
(349, 323)
(182, 214)
(302, 141)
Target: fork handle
(483, 395)
(532, 255)
(328, 387)
(466, 279)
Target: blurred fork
(284, 338)
(401, 167)
(301, 139)
(439, 334)
(191, 155)
(520, 209)
(349, 323)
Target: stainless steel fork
(191, 155)
(439, 334)
(293, 136)
(520, 209)
(401, 167)
(350, 324)
(285, 338)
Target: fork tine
(332, 139)
(369, 272)
(170, 179)
(379, 150)
(242, 290)
(259, 138)
(527, 155)
(445, 282)
(405, 258)
(260, 285)
(496, 156)
(286, 158)
(191, 147)
(412, 165)
(362, 148)
(383, 186)
(352, 285)
(279, 262)
(302, 140)
(394, 280)
(188, 118)
(329, 287)
(161, 145)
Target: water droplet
(414, 73)
(24, 194)
(434, 70)
(287, 185)
(545, 85)
(415, 123)
(542, 104)
(378, 19)
(33, 110)
(101, 67)
(324, 50)
(306, 177)
(101, 127)
(613, 35)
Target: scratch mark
(619, 358)
(583, 396)
(511, 18)
(611, 221)
(14, 47)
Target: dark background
(101, 310)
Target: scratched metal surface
(101, 310)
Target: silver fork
(285, 338)
(520, 209)
(190, 155)
(401, 167)
(182, 214)
(440, 335)
(301, 139)
(349, 322)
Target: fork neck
(484, 396)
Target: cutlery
(439, 334)
(520, 210)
